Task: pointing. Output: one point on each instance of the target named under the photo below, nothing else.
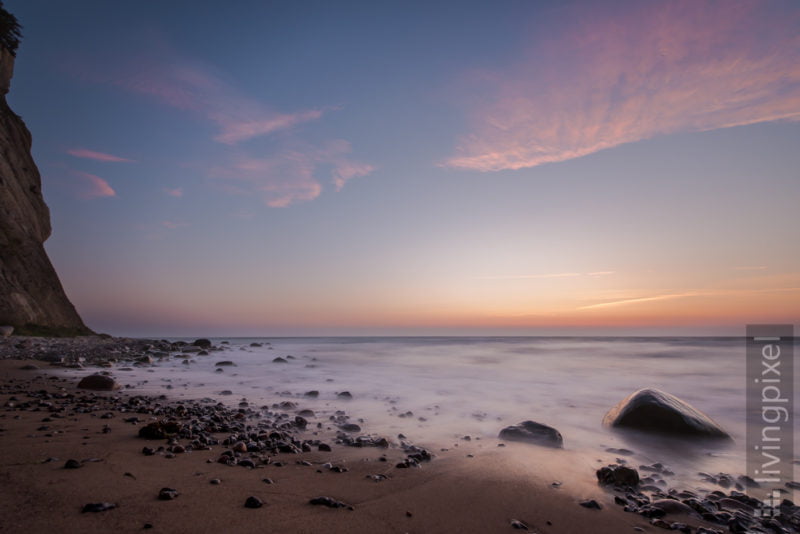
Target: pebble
(253, 502)
(591, 504)
(72, 464)
(329, 502)
(519, 525)
(168, 494)
(98, 507)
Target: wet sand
(452, 493)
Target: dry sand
(472, 486)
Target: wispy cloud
(689, 294)
(649, 68)
(97, 156)
(544, 276)
(176, 192)
(195, 87)
(235, 130)
(291, 175)
(93, 186)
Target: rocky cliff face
(31, 297)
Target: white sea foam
(476, 386)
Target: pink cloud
(98, 156)
(194, 87)
(234, 131)
(93, 186)
(291, 175)
(618, 77)
(347, 170)
(177, 192)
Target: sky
(253, 168)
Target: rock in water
(651, 410)
(202, 343)
(533, 432)
(98, 383)
(31, 296)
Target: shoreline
(469, 486)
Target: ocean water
(437, 390)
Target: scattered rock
(253, 502)
(591, 504)
(168, 494)
(98, 507)
(313, 394)
(345, 395)
(279, 360)
(160, 430)
(519, 525)
(651, 410)
(202, 343)
(225, 363)
(350, 427)
(98, 383)
(533, 432)
(72, 464)
(329, 502)
(618, 475)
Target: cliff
(31, 296)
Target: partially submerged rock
(98, 383)
(533, 432)
(652, 410)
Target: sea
(439, 390)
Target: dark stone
(532, 432)
(313, 393)
(98, 383)
(160, 430)
(253, 502)
(617, 475)
(98, 507)
(72, 464)
(324, 447)
(345, 395)
(591, 504)
(350, 427)
(225, 363)
(279, 360)
(329, 502)
(519, 525)
(202, 343)
(651, 410)
(168, 494)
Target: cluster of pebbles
(734, 511)
(244, 435)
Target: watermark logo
(770, 413)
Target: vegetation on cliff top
(10, 31)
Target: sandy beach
(470, 485)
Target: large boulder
(652, 410)
(533, 432)
(98, 383)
